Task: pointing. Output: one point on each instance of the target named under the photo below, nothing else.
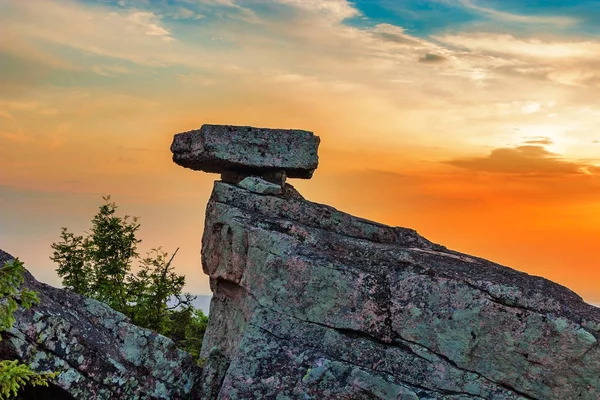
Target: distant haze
(202, 302)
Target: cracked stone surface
(313, 303)
(99, 353)
(223, 148)
(261, 186)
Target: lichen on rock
(99, 353)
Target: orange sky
(482, 136)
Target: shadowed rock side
(312, 303)
(100, 353)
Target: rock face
(220, 148)
(100, 353)
(313, 303)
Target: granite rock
(258, 185)
(101, 355)
(221, 148)
(313, 303)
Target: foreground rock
(100, 353)
(312, 303)
(222, 148)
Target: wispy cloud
(148, 23)
(337, 10)
(539, 140)
(526, 48)
(511, 17)
(430, 58)
(529, 159)
(129, 34)
(184, 13)
(110, 70)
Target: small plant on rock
(13, 374)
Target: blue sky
(419, 17)
(425, 17)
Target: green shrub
(98, 265)
(13, 374)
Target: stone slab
(219, 148)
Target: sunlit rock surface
(313, 303)
(99, 353)
(222, 148)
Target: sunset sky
(475, 122)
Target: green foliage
(14, 375)
(99, 265)
(186, 327)
(151, 288)
(11, 278)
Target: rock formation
(101, 355)
(218, 148)
(313, 303)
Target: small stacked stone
(256, 159)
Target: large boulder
(99, 353)
(313, 303)
(224, 148)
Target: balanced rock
(254, 151)
(99, 353)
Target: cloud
(235, 11)
(529, 159)
(20, 105)
(337, 10)
(147, 22)
(17, 137)
(523, 47)
(396, 34)
(539, 140)
(566, 60)
(527, 19)
(387, 173)
(430, 58)
(184, 13)
(6, 115)
(110, 70)
(308, 48)
(127, 34)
